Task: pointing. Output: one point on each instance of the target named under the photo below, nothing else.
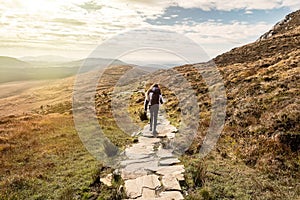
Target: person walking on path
(153, 99)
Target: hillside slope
(258, 153)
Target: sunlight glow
(38, 6)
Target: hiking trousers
(153, 117)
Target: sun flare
(39, 6)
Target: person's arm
(146, 102)
(161, 100)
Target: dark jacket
(153, 97)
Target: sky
(74, 28)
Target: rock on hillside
(290, 22)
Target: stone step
(134, 187)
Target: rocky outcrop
(290, 22)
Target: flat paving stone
(143, 165)
(138, 156)
(169, 161)
(149, 134)
(151, 181)
(134, 187)
(174, 170)
(170, 183)
(135, 161)
(164, 153)
(126, 175)
(167, 129)
(147, 141)
(148, 193)
(172, 195)
(139, 151)
(171, 135)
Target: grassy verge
(222, 175)
(43, 158)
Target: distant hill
(40, 70)
(9, 62)
(91, 63)
(46, 59)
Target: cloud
(84, 23)
(69, 21)
(292, 4)
(90, 6)
(228, 5)
(224, 5)
(216, 38)
(248, 12)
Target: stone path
(150, 170)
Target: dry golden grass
(24, 97)
(42, 157)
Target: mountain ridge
(284, 39)
(291, 21)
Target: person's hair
(152, 86)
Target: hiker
(153, 99)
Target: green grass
(222, 176)
(46, 160)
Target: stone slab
(172, 195)
(148, 141)
(126, 175)
(151, 181)
(169, 161)
(148, 193)
(164, 153)
(107, 180)
(174, 170)
(124, 163)
(134, 187)
(170, 183)
(143, 165)
(149, 134)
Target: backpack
(155, 96)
